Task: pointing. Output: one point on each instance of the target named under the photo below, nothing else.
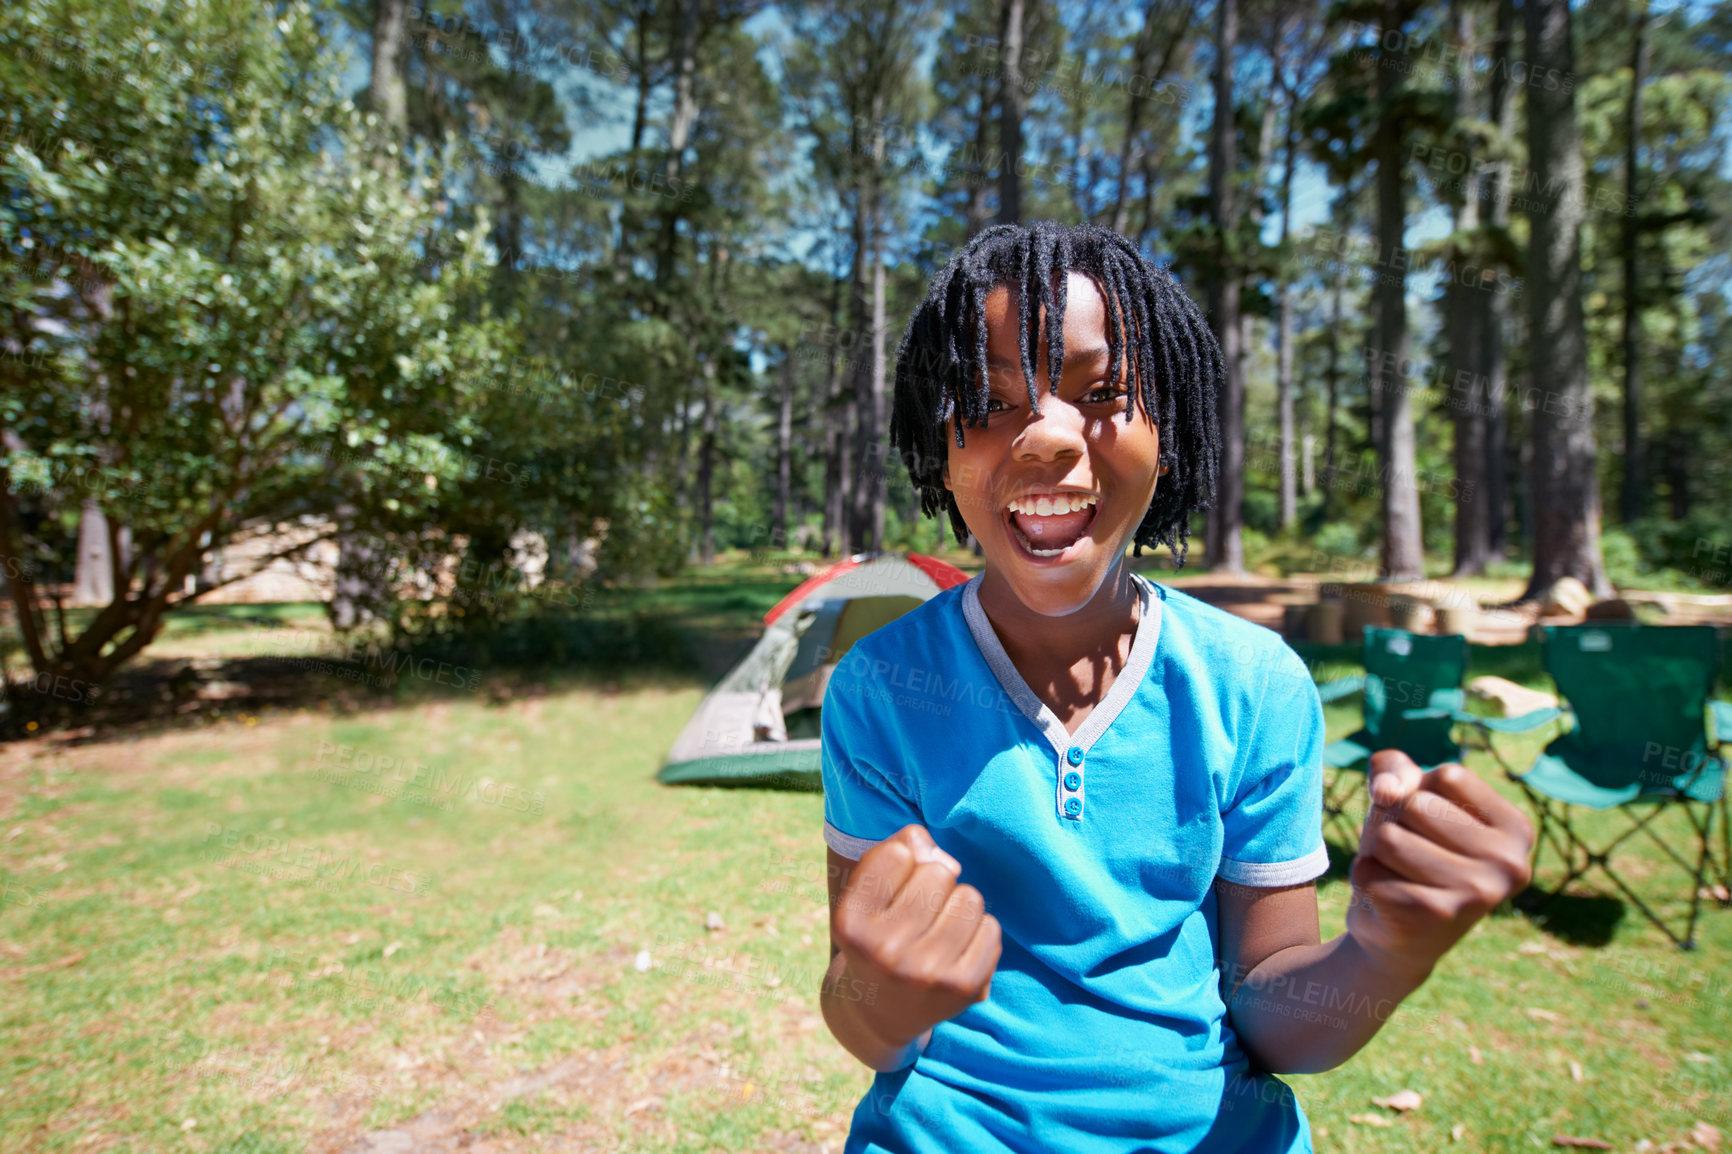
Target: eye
(1104, 394)
(1002, 406)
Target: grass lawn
(473, 921)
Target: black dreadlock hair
(941, 363)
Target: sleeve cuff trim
(1284, 873)
(851, 847)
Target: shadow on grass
(1580, 919)
(691, 629)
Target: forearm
(849, 1005)
(1306, 1009)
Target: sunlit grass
(462, 952)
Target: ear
(946, 476)
(1163, 470)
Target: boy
(1127, 778)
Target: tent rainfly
(759, 725)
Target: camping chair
(1413, 698)
(1638, 744)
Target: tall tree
(1565, 483)
(1012, 106)
(1152, 75)
(1468, 315)
(1494, 356)
(1293, 70)
(1403, 551)
(1225, 550)
(1634, 494)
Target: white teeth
(1052, 504)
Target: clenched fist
(904, 923)
(1439, 852)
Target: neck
(1037, 639)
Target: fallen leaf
(1587, 1143)
(1576, 1072)
(1371, 1120)
(24, 971)
(1474, 1056)
(1706, 1136)
(1457, 1131)
(643, 961)
(642, 1104)
(393, 948)
(1400, 1101)
(713, 921)
(1539, 1015)
(1696, 1056)
(1532, 948)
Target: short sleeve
(864, 800)
(1273, 826)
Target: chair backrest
(1402, 671)
(1638, 693)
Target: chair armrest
(1721, 712)
(1523, 724)
(1341, 687)
(1441, 704)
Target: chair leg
(1601, 860)
(1546, 822)
(1343, 789)
(1725, 847)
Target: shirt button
(1073, 780)
(1075, 756)
(1073, 806)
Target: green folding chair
(1413, 698)
(1638, 744)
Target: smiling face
(1055, 498)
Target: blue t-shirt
(1105, 1029)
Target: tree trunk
(685, 114)
(628, 220)
(784, 452)
(974, 176)
(862, 283)
(1011, 104)
(357, 595)
(835, 429)
(1634, 496)
(1565, 487)
(1467, 309)
(1496, 354)
(877, 434)
(93, 574)
(707, 469)
(1403, 547)
(1332, 373)
(1225, 550)
(388, 95)
(1284, 332)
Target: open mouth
(1051, 525)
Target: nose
(1055, 433)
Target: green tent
(759, 725)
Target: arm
(909, 948)
(1440, 851)
(1299, 1005)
